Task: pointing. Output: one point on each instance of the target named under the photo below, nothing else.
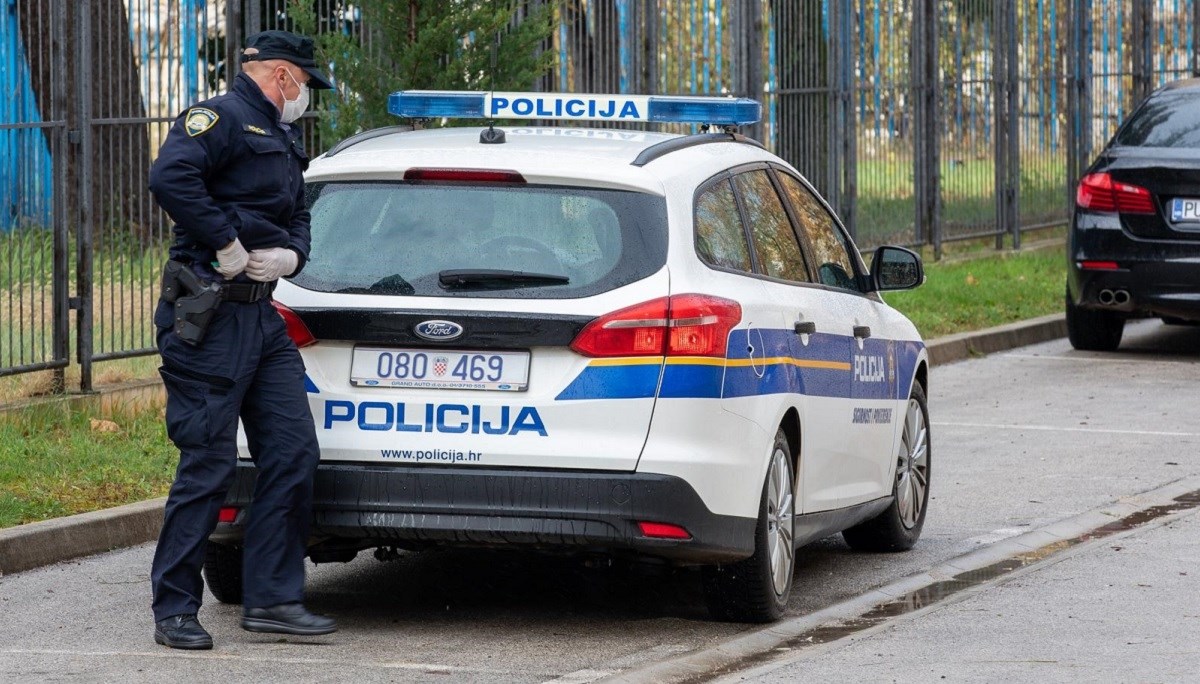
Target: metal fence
(923, 121)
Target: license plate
(1185, 210)
(440, 369)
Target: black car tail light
(1099, 192)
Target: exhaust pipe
(1121, 297)
(1106, 297)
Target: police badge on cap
(287, 46)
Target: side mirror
(896, 268)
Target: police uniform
(229, 169)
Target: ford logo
(438, 330)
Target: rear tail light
(296, 329)
(679, 325)
(1099, 265)
(659, 530)
(1099, 192)
(227, 514)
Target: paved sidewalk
(1124, 610)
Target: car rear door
(870, 415)
(789, 356)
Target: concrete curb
(953, 348)
(25, 547)
(52, 541)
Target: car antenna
(491, 136)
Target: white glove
(271, 264)
(231, 259)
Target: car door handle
(805, 328)
(862, 331)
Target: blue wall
(25, 173)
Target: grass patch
(57, 461)
(960, 296)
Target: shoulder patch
(256, 130)
(199, 120)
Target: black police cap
(288, 46)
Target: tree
(425, 44)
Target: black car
(1134, 244)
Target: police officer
(230, 176)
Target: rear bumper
(588, 511)
(1161, 277)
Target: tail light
(227, 514)
(1099, 192)
(680, 325)
(296, 329)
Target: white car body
(708, 423)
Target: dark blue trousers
(245, 367)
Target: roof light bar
(721, 111)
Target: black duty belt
(245, 292)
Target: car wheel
(1091, 330)
(223, 572)
(756, 589)
(899, 526)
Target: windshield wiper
(492, 278)
(393, 284)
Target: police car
(597, 340)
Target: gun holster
(195, 301)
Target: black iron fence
(924, 121)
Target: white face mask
(294, 109)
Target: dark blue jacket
(230, 169)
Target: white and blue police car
(597, 340)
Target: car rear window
(395, 238)
(1168, 119)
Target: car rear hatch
(1171, 180)
(1155, 156)
(444, 310)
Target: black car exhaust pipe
(1121, 297)
(1107, 297)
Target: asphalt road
(1020, 439)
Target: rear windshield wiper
(393, 284)
(492, 278)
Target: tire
(223, 572)
(757, 589)
(1091, 330)
(899, 526)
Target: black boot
(182, 631)
(287, 618)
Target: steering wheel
(530, 254)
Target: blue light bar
(430, 104)
(723, 111)
(435, 104)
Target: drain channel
(938, 591)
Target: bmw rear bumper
(586, 511)
(1161, 277)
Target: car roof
(592, 156)
(1182, 84)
